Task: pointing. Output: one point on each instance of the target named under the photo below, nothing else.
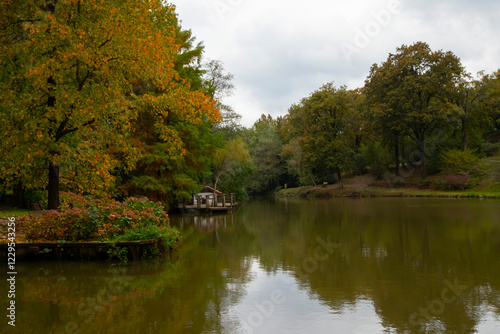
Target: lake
(375, 265)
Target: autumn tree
(407, 87)
(165, 172)
(66, 84)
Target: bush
(490, 149)
(463, 162)
(453, 182)
(89, 219)
(435, 147)
(425, 184)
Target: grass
(316, 192)
(7, 212)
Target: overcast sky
(280, 51)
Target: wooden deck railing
(210, 201)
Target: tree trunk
(422, 159)
(53, 200)
(312, 179)
(464, 135)
(19, 195)
(339, 176)
(403, 163)
(421, 149)
(217, 180)
(396, 152)
(357, 144)
(53, 188)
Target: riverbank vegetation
(114, 99)
(104, 220)
(421, 122)
(86, 219)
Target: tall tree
(359, 125)
(407, 87)
(321, 122)
(229, 159)
(66, 68)
(218, 84)
(265, 145)
(387, 122)
(491, 102)
(187, 61)
(166, 173)
(466, 99)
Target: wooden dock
(212, 203)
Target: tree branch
(61, 131)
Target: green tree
(407, 89)
(321, 123)
(229, 159)
(491, 103)
(376, 158)
(467, 104)
(218, 84)
(265, 145)
(187, 61)
(164, 175)
(294, 162)
(360, 127)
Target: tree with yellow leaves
(67, 104)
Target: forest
(419, 113)
(115, 98)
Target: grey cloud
(280, 51)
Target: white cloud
(280, 51)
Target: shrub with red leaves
(81, 218)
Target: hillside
(486, 186)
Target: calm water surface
(289, 266)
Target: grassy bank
(329, 192)
(488, 186)
(8, 212)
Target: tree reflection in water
(372, 264)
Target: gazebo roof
(207, 189)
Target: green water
(288, 266)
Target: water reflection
(277, 303)
(343, 265)
(206, 223)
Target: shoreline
(310, 192)
(86, 250)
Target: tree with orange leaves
(67, 102)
